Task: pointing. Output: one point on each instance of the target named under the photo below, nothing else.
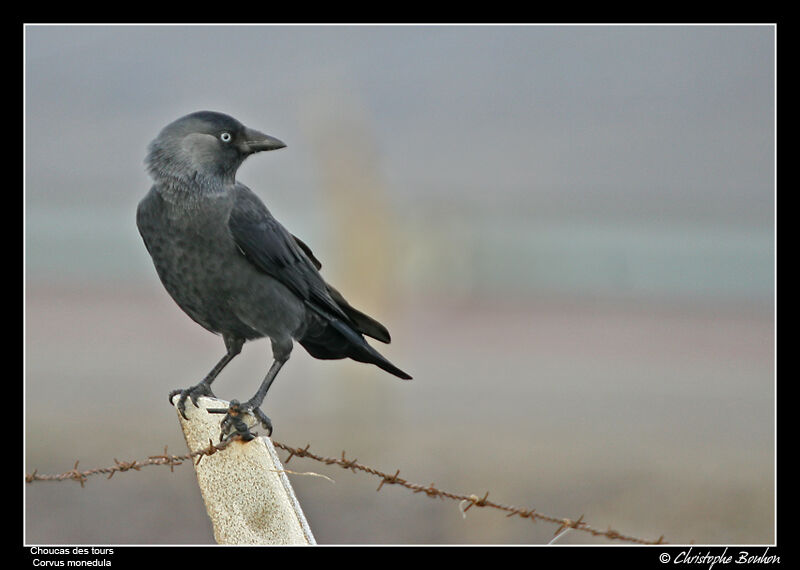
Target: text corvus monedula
(231, 266)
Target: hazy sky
(626, 119)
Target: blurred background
(569, 231)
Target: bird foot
(194, 392)
(233, 424)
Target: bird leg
(203, 388)
(232, 418)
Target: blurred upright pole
(355, 204)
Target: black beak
(256, 142)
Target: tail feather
(332, 338)
(363, 323)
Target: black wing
(276, 252)
(364, 323)
(285, 257)
(308, 252)
(273, 250)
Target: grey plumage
(230, 265)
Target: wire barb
(390, 479)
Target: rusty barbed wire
(163, 459)
(466, 502)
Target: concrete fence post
(245, 488)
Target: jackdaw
(231, 266)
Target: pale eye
(225, 137)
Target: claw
(181, 405)
(265, 421)
(172, 394)
(194, 392)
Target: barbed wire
(466, 502)
(163, 459)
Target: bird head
(204, 147)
